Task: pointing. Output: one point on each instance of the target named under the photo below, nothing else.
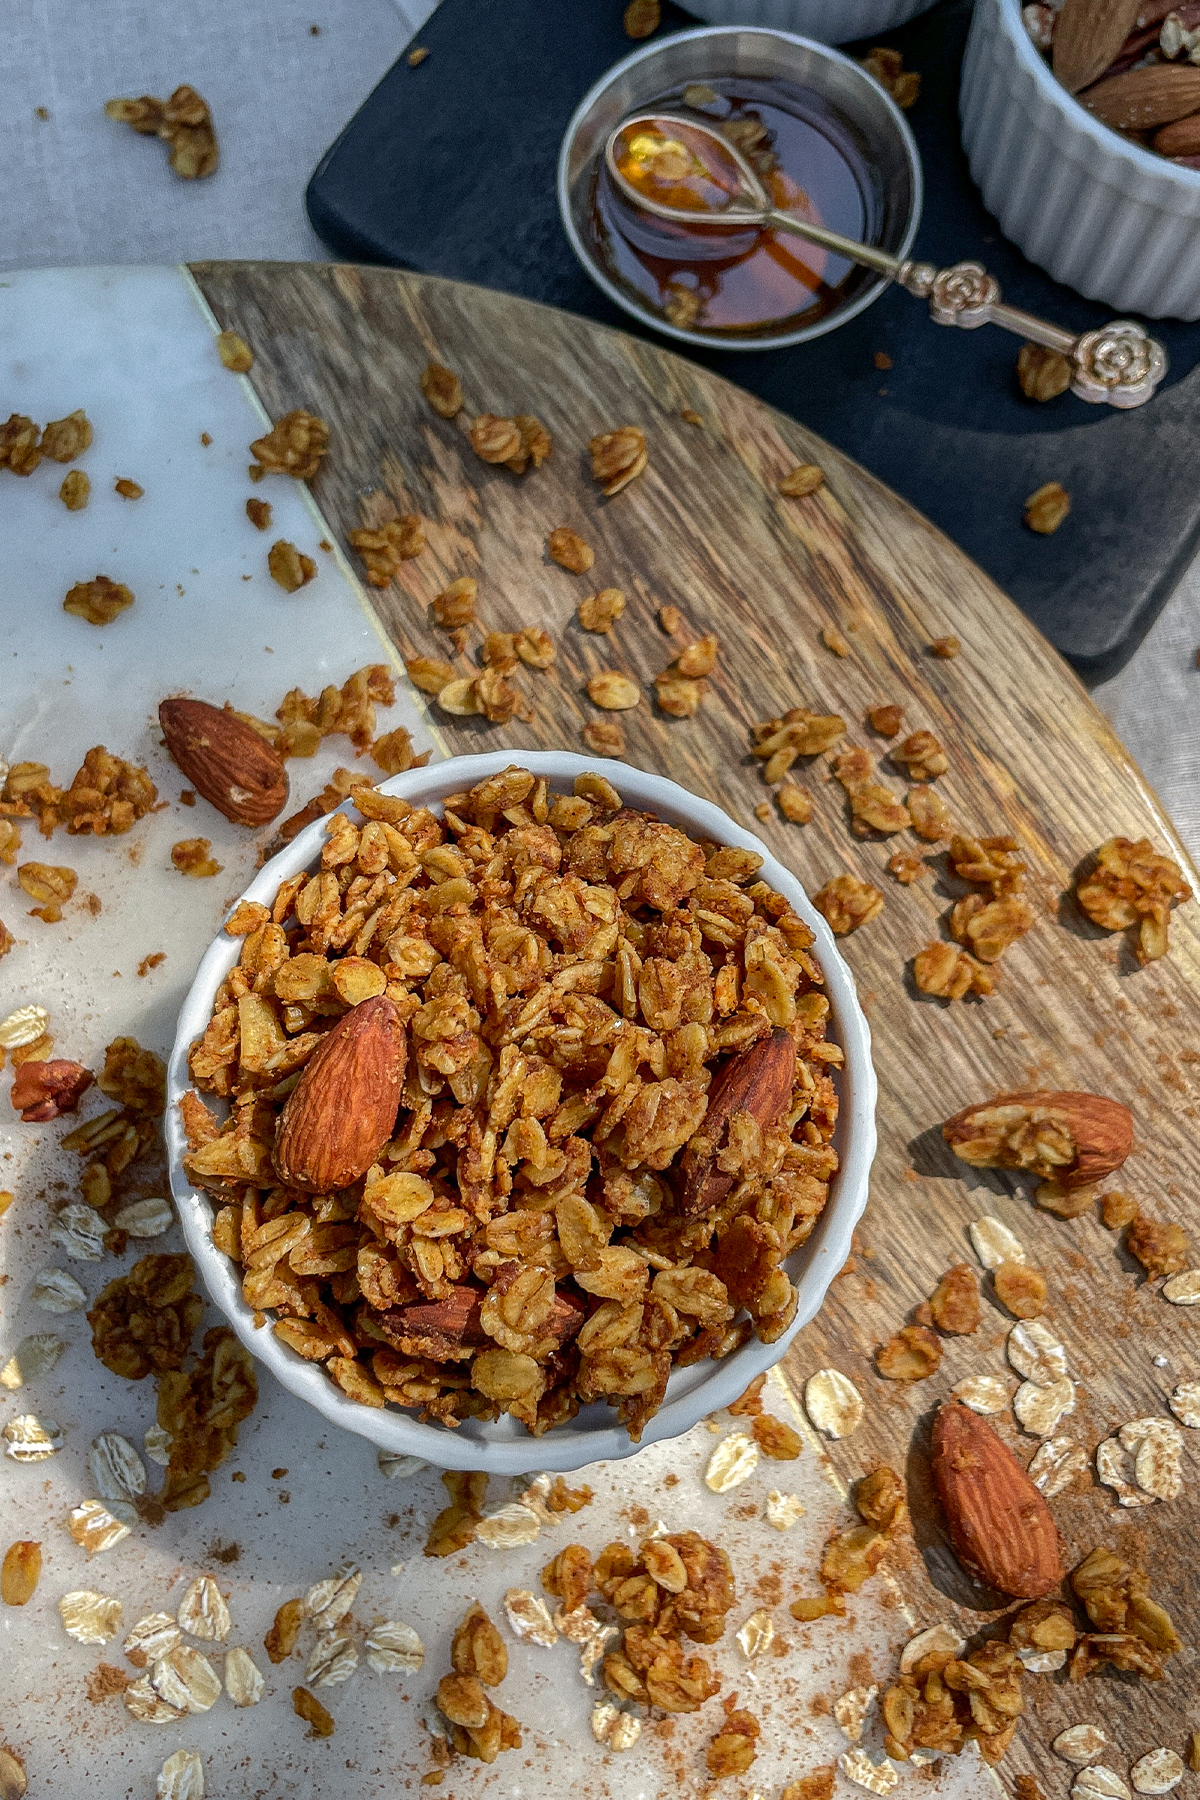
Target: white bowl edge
(506, 1448)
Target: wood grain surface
(705, 529)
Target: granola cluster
(572, 977)
(183, 122)
(478, 1660)
(1132, 884)
(106, 794)
(23, 445)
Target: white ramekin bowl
(505, 1448)
(829, 21)
(1100, 214)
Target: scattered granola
(478, 1660)
(732, 1749)
(1047, 507)
(183, 122)
(20, 1572)
(290, 569)
(887, 66)
(65, 439)
(613, 691)
(34, 1356)
(384, 547)
(190, 856)
(642, 18)
(911, 1354)
(570, 552)
(234, 352)
(318, 1718)
(394, 1648)
(603, 737)
(106, 794)
(1132, 884)
(782, 1510)
(617, 457)
(98, 601)
(945, 647)
(294, 447)
(600, 612)
(846, 902)
(75, 490)
(1021, 1289)
(873, 807)
(128, 490)
(96, 1526)
(804, 479)
(259, 513)
(942, 970)
(1161, 1247)
(1042, 374)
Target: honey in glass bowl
(739, 280)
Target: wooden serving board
(705, 529)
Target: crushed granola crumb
(846, 902)
(1047, 507)
(75, 490)
(804, 479)
(442, 388)
(183, 122)
(618, 456)
(128, 490)
(98, 601)
(190, 856)
(289, 567)
(570, 552)
(945, 647)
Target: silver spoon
(1119, 363)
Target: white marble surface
(135, 349)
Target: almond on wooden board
(1087, 38)
(1143, 98)
(225, 759)
(1001, 1528)
(341, 1112)
(1004, 1134)
(757, 1080)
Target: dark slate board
(449, 169)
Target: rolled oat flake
(243, 1678)
(34, 1355)
(1081, 1743)
(28, 1439)
(833, 1403)
(993, 1243)
(202, 1611)
(733, 1461)
(1183, 1290)
(982, 1393)
(56, 1291)
(878, 1778)
(1157, 1772)
(1185, 1404)
(181, 1777)
(116, 1468)
(1099, 1783)
(1036, 1353)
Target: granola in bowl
(511, 1107)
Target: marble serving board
(135, 349)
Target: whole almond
(225, 759)
(757, 1080)
(1001, 1528)
(1143, 98)
(341, 1112)
(1088, 37)
(1181, 138)
(996, 1134)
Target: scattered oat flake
(879, 1778)
(782, 1510)
(57, 1291)
(1081, 1744)
(1114, 1467)
(332, 1659)
(529, 1617)
(1185, 1403)
(152, 1638)
(144, 1703)
(1157, 1772)
(935, 1640)
(96, 1526)
(79, 1230)
(393, 1647)
(157, 1441)
(203, 1613)
(146, 1218)
(89, 1617)
(1039, 1408)
(1056, 1464)
(35, 1355)
(983, 1393)
(1182, 1290)
(186, 1679)
(757, 1633)
(243, 1679)
(993, 1243)
(28, 1439)
(1035, 1352)
(733, 1461)
(182, 1775)
(399, 1468)
(508, 1528)
(116, 1468)
(1042, 1662)
(24, 1026)
(330, 1600)
(1157, 1447)
(1099, 1783)
(850, 1710)
(833, 1403)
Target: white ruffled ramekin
(828, 21)
(1100, 214)
(504, 1447)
